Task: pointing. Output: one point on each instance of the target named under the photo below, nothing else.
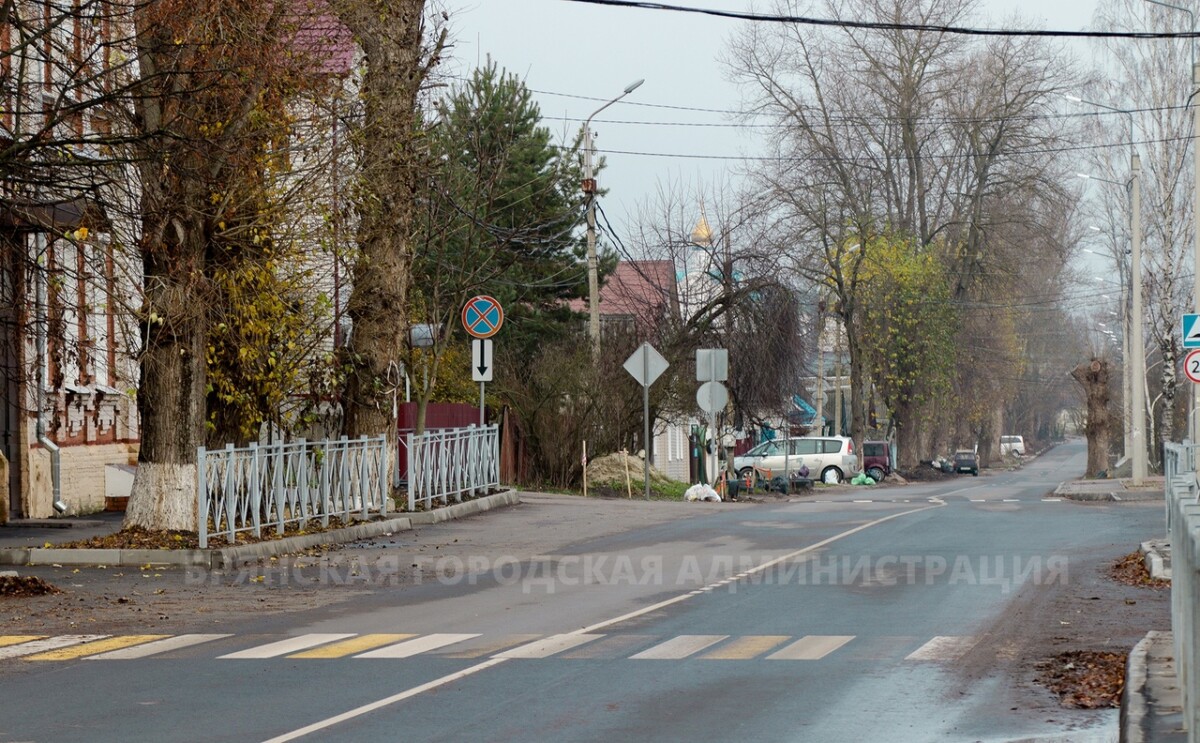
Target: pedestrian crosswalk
(395, 646)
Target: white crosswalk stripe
(679, 647)
(50, 643)
(283, 647)
(156, 647)
(409, 648)
(548, 646)
(944, 647)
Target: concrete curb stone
(1155, 564)
(226, 557)
(1133, 700)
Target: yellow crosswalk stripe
(97, 646)
(18, 639)
(353, 645)
(745, 648)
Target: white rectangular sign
(481, 359)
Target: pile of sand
(611, 469)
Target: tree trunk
(388, 147)
(171, 388)
(1170, 357)
(1093, 377)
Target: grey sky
(572, 48)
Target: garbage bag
(701, 492)
(862, 478)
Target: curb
(1155, 564)
(226, 557)
(1133, 698)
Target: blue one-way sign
(1191, 331)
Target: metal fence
(451, 463)
(250, 488)
(1183, 518)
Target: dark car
(966, 461)
(877, 459)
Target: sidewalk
(1115, 490)
(1151, 705)
(36, 532)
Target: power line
(882, 26)
(821, 159)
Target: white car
(1012, 445)
(830, 459)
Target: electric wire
(889, 26)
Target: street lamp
(589, 188)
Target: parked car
(1012, 445)
(829, 458)
(965, 460)
(877, 459)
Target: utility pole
(589, 188)
(1137, 402)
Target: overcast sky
(569, 48)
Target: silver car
(828, 458)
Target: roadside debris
(1131, 570)
(18, 587)
(701, 492)
(1084, 679)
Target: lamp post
(1123, 316)
(1137, 360)
(589, 188)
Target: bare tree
(915, 134)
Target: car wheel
(831, 476)
(745, 473)
(876, 474)
(975, 473)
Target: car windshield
(873, 450)
(964, 455)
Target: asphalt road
(875, 614)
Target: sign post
(646, 365)
(482, 317)
(712, 368)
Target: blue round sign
(482, 316)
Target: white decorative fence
(1183, 522)
(452, 462)
(251, 488)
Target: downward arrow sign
(481, 359)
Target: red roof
(642, 290)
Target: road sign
(482, 316)
(1191, 365)
(712, 364)
(646, 364)
(481, 359)
(1191, 331)
(712, 397)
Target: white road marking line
(812, 647)
(283, 647)
(864, 501)
(50, 643)
(471, 671)
(679, 647)
(944, 647)
(1051, 500)
(979, 500)
(1012, 500)
(156, 647)
(409, 648)
(547, 647)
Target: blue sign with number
(1191, 331)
